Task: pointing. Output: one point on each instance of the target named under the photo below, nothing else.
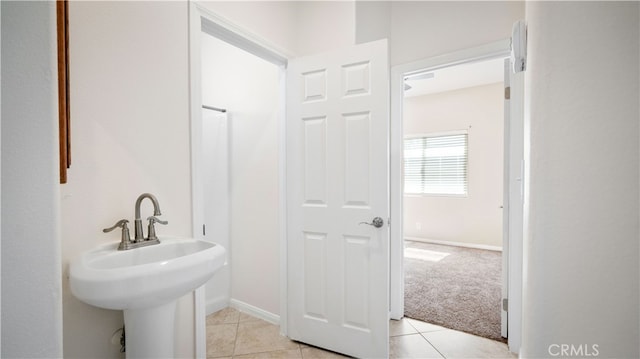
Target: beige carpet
(454, 287)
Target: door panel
(337, 178)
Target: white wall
(130, 134)
(581, 251)
(297, 28)
(323, 26)
(0, 185)
(272, 21)
(248, 87)
(373, 21)
(422, 29)
(477, 218)
(425, 29)
(31, 290)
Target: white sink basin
(144, 277)
(145, 283)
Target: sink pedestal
(150, 331)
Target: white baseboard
(455, 244)
(255, 311)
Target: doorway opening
(237, 123)
(511, 279)
(240, 169)
(453, 169)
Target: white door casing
(505, 202)
(337, 177)
(516, 209)
(512, 238)
(516, 176)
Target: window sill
(419, 195)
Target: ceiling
(455, 77)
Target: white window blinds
(436, 165)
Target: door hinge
(507, 93)
(204, 230)
(505, 304)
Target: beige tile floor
(233, 334)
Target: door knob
(376, 222)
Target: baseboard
(255, 311)
(455, 244)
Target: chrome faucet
(139, 236)
(139, 241)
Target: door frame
(496, 49)
(201, 18)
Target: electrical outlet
(418, 225)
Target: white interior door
(337, 178)
(513, 207)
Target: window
(436, 164)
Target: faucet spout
(139, 236)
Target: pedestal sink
(145, 283)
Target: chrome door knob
(376, 222)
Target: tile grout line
(235, 338)
(259, 352)
(425, 338)
(433, 346)
(235, 342)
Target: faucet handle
(154, 219)
(121, 223)
(125, 239)
(151, 230)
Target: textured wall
(581, 254)
(31, 292)
(422, 29)
(130, 135)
